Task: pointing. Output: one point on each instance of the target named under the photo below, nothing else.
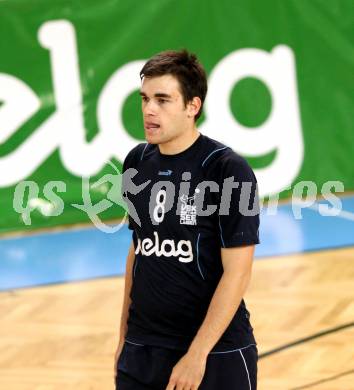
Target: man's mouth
(151, 126)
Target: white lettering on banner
(20, 103)
(168, 248)
(282, 129)
(65, 130)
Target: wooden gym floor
(64, 336)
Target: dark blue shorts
(144, 367)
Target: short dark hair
(185, 67)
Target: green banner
(280, 93)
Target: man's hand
(188, 373)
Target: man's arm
(126, 301)
(237, 263)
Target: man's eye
(144, 98)
(161, 101)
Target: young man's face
(165, 115)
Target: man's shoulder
(139, 153)
(217, 153)
(221, 160)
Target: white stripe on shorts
(232, 350)
(248, 375)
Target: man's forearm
(222, 308)
(127, 288)
(125, 312)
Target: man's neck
(180, 144)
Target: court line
(336, 212)
(331, 378)
(305, 340)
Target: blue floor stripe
(61, 257)
(89, 253)
(283, 234)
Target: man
(184, 323)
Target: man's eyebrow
(161, 94)
(158, 94)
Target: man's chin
(153, 138)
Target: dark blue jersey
(181, 218)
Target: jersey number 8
(159, 210)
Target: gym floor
(61, 296)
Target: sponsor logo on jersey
(188, 214)
(167, 248)
(165, 173)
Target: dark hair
(185, 67)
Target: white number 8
(160, 206)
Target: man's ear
(194, 106)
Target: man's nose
(149, 108)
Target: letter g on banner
(281, 130)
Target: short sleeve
(238, 212)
